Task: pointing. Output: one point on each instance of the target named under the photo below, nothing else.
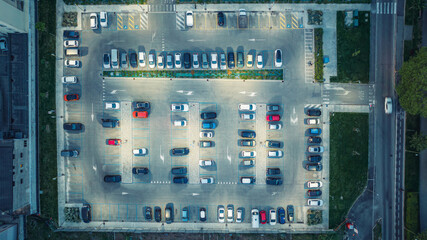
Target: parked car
(140, 170)
(179, 170)
(314, 158)
(86, 213)
(158, 214)
(248, 154)
(221, 214)
(222, 61)
(231, 64)
(247, 116)
(73, 126)
(214, 60)
(314, 184)
(71, 97)
(248, 162)
(142, 105)
(93, 19)
(239, 215)
(71, 43)
(124, 60)
(180, 151)
(314, 202)
(388, 105)
(263, 217)
(247, 107)
(273, 108)
(274, 126)
(189, 18)
(103, 19)
(69, 79)
(274, 117)
(312, 121)
(185, 215)
(179, 107)
(273, 144)
(113, 178)
(206, 134)
(259, 62)
(206, 163)
(112, 105)
(169, 61)
(113, 141)
(160, 61)
(272, 215)
(273, 181)
(275, 154)
(314, 140)
(247, 180)
(179, 123)
(178, 60)
(208, 115)
(187, 60)
(169, 214)
(250, 60)
(278, 58)
(141, 59)
(196, 61)
(202, 214)
(248, 134)
(240, 60)
(107, 61)
(230, 213)
(314, 193)
(205, 61)
(140, 114)
(313, 166)
(151, 60)
(70, 153)
(133, 60)
(221, 19)
(273, 171)
(247, 143)
(139, 151)
(206, 144)
(255, 218)
(314, 131)
(315, 149)
(208, 125)
(290, 211)
(71, 34)
(72, 63)
(206, 180)
(314, 112)
(180, 180)
(148, 215)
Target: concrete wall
(13, 19)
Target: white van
(72, 52)
(93, 20)
(115, 58)
(255, 218)
(189, 18)
(247, 180)
(69, 79)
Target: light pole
(57, 58)
(84, 10)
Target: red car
(262, 217)
(273, 118)
(71, 97)
(140, 114)
(115, 142)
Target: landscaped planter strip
(269, 74)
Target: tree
(418, 142)
(412, 88)
(421, 236)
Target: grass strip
(318, 45)
(349, 138)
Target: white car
(278, 58)
(71, 43)
(141, 59)
(160, 62)
(221, 214)
(151, 60)
(103, 19)
(180, 123)
(214, 60)
(259, 63)
(107, 61)
(314, 149)
(196, 60)
(169, 61)
(93, 20)
(139, 151)
(69, 79)
(207, 134)
(248, 154)
(388, 105)
(272, 215)
(312, 121)
(189, 18)
(223, 61)
(230, 214)
(275, 153)
(247, 107)
(314, 202)
(274, 126)
(72, 63)
(112, 105)
(247, 116)
(206, 163)
(239, 215)
(207, 180)
(179, 107)
(178, 62)
(314, 184)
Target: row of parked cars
(274, 216)
(186, 60)
(314, 140)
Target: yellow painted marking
(294, 22)
(119, 22)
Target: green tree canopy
(418, 142)
(412, 88)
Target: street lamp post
(57, 58)
(84, 10)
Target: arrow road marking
(92, 113)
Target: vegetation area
(353, 49)
(268, 74)
(378, 231)
(272, 1)
(96, 2)
(314, 217)
(318, 54)
(348, 162)
(413, 11)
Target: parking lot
(126, 201)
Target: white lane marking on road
(196, 194)
(92, 113)
(294, 117)
(153, 36)
(378, 6)
(161, 155)
(115, 91)
(252, 94)
(125, 193)
(243, 92)
(273, 193)
(196, 40)
(256, 40)
(189, 93)
(228, 156)
(94, 168)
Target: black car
(314, 158)
(86, 215)
(274, 181)
(273, 108)
(187, 60)
(180, 180)
(142, 105)
(110, 123)
(113, 178)
(71, 34)
(240, 59)
(314, 112)
(140, 170)
(221, 19)
(248, 134)
(73, 126)
(208, 115)
(273, 171)
(290, 210)
(69, 153)
(274, 144)
(148, 215)
(247, 143)
(314, 140)
(179, 170)
(313, 166)
(231, 64)
(158, 214)
(106, 59)
(314, 193)
(133, 60)
(180, 151)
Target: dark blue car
(282, 215)
(314, 131)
